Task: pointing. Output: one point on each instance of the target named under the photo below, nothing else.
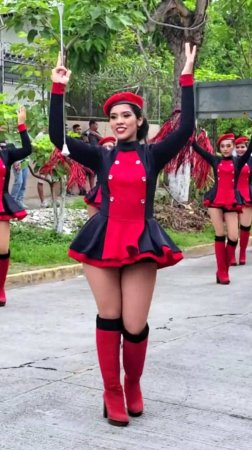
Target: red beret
(121, 98)
(107, 139)
(241, 140)
(224, 137)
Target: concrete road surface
(197, 382)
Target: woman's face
(241, 149)
(226, 147)
(124, 123)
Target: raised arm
(17, 154)
(81, 152)
(245, 157)
(211, 159)
(169, 147)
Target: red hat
(241, 140)
(121, 98)
(224, 137)
(107, 139)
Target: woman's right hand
(60, 74)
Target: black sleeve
(88, 155)
(211, 159)
(17, 154)
(169, 147)
(244, 158)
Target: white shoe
(44, 204)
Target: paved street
(197, 382)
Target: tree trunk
(176, 13)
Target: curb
(199, 250)
(61, 273)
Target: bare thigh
(92, 210)
(137, 284)
(217, 219)
(4, 236)
(231, 219)
(246, 217)
(106, 288)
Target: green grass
(34, 248)
(188, 239)
(76, 203)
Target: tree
(178, 22)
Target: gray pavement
(197, 382)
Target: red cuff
(22, 127)
(186, 80)
(58, 88)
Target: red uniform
(124, 231)
(225, 193)
(9, 208)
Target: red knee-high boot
(4, 265)
(220, 254)
(108, 337)
(244, 240)
(230, 251)
(134, 351)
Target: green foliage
(35, 247)
(43, 148)
(8, 121)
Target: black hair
(92, 122)
(142, 131)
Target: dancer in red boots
(224, 201)
(93, 197)
(245, 188)
(122, 246)
(9, 208)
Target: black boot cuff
(232, 243)
(136, 338)
(220, 238)
(242, 227)
(5, 256)
(109, 324)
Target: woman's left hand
(21, 114)
(190, 54)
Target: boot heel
(105, 412)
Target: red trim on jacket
(58, 88)
(21, 127)
(186, 80)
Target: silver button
(142, 201)
(110, 177)
(112, 199)
(117, 162)
(143, 179)
(138, 161)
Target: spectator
(92, 135)
(20, 170)
(77, 128)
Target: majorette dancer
(122, 246)
(9, 208)
(245, 188)
(224, 200)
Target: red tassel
(201, 168)
(76, 173)
(184, 155)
